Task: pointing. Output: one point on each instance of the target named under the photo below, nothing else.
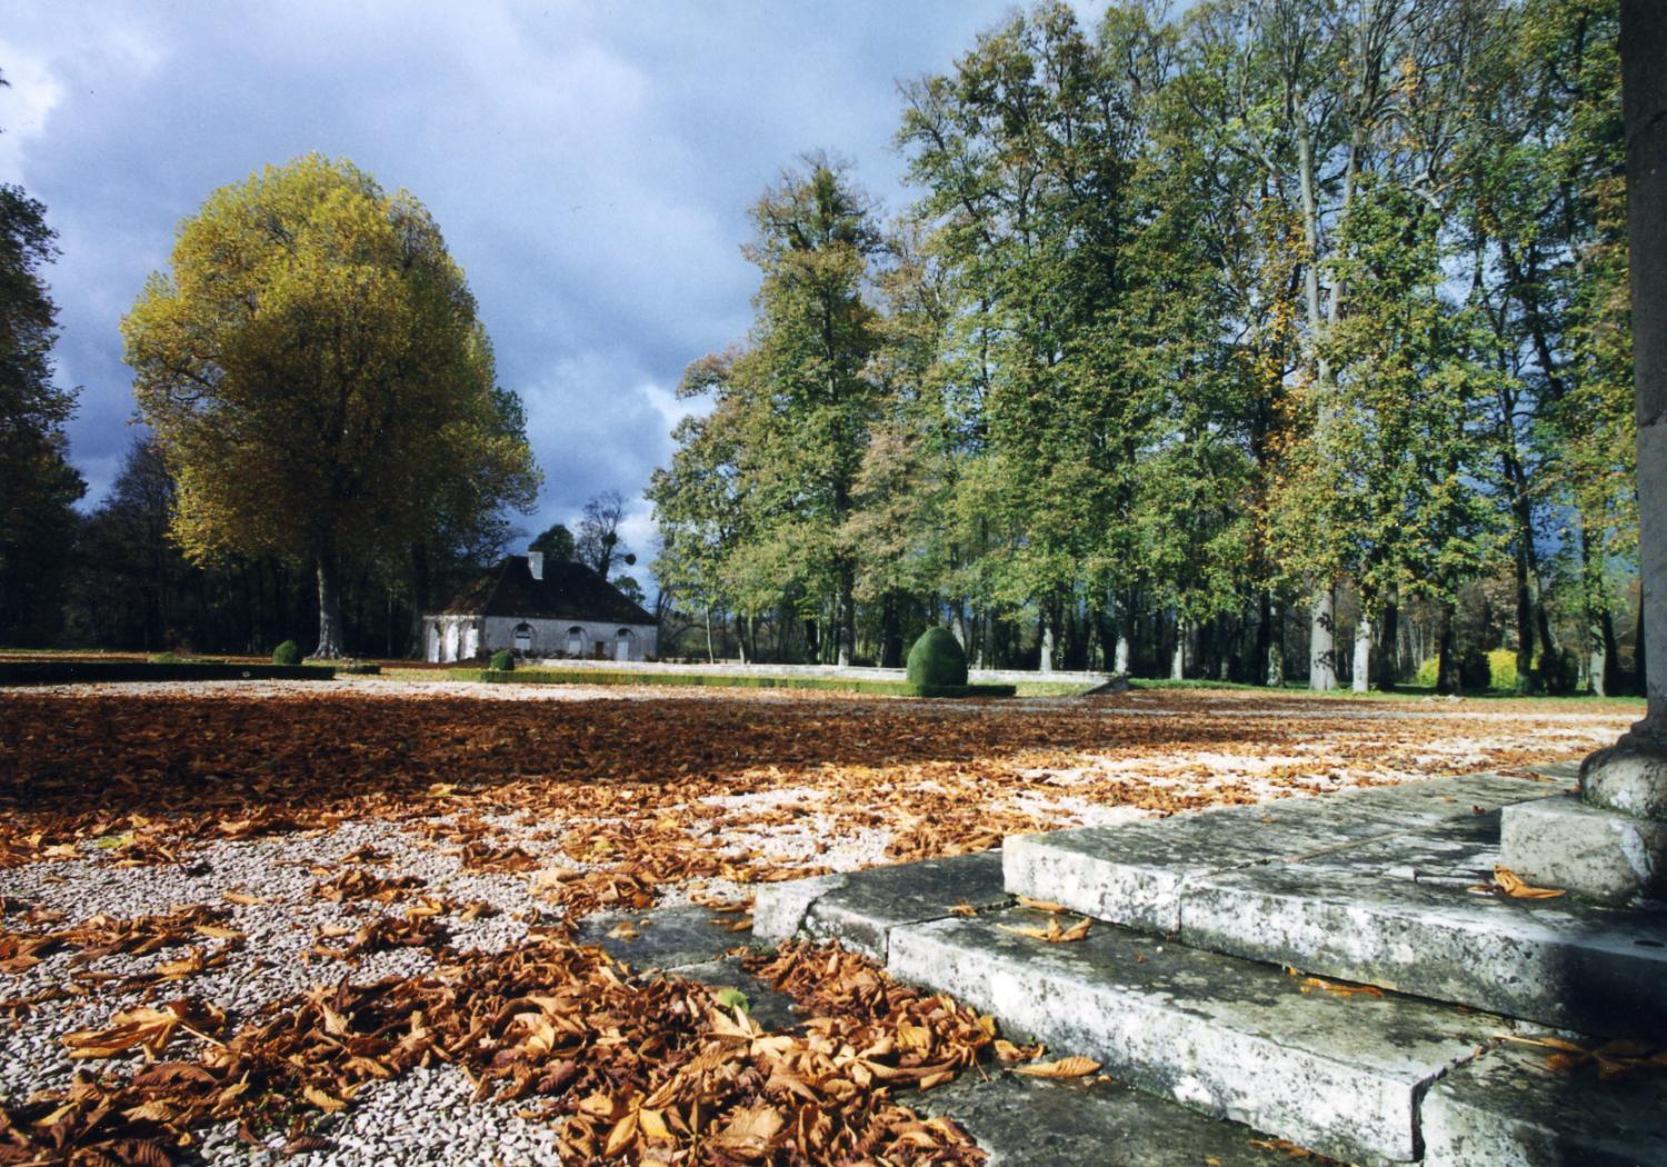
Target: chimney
(535, 563)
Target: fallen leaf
(1071, 1067)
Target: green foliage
(287, 653)
(502, 661)
(1502, 670)
(937, 660)
(556, 543)
(753, 508)
(1425, 677)
(1495, 671)
(317, 380)
(37, 484)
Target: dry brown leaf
(1071, 1067)
(1053, 933)
(1514, 886)
(1339, 989)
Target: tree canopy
(319, 384)
(38, 487)
(1276, 306)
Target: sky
(590, 163)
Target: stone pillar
(1611, 842)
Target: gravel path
(804, 818)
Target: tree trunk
(1322, 645)
(329, 610)
(1389, 641)
(1362, 654)
(1048, 638)
(1274, 663)
(891, 635)
(1178, 658)
(1120, 654)
(847, 613)
(1447, 666)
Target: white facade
(450, 638)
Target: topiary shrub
(1502, 670)
(287, 653)
(937, 659)
(502, 661)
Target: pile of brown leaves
(106, 935)
(641, 1070)
(147, 776)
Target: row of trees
(1204, 338)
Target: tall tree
(317, 378)
(555, 542)
(792, 409)
(599, 543)
(38, 487)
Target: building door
(575, 641)
(524, 639)
(622, 651)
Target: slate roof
(568, 591)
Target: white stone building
(539, 610)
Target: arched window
(523, 638)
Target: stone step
(1232, 1038)
(1376, 888)
(1023, 1122)
(860, 910)
(1508, 1108)
(1136, 873)
(1402, 913)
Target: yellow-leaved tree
(318, 381)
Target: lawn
(238, 909)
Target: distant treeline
(1284, 339)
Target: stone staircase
(1321, 970)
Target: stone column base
(1599, 854)
(1610, 843)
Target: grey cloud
(590, 163)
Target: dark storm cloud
(590, 164)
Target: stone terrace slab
(1508, 1107)
(1137, 873)
(861, 909)
(1399, 913)
(1021, 1122)
(1233, 1038)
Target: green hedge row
(79, 672)
(726, 681)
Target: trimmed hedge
(726, 681)
(287, 653)
(77, 672)
(937, 661)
